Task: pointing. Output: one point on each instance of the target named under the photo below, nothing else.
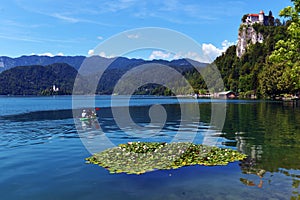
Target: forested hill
(38, 80)
(270, 68)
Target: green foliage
(259, 28)
(141, 157)
(271, 80)
(244, 18)
(38, 80)
(270, 68)
(286, 53)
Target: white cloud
(65, 18)
(91, 52)
(49, 54)
(160, 55)
(226, 44)
(208, 54)
(192, 55)
(171, 56)
(212, 51)
(46, 54)
(103, 54)
(100, 38)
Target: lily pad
(141, 157)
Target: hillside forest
(267, 69)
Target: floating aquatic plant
(141, 157)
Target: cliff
(244, 67)
(246, 36)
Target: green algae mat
(141, 157)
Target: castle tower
(261, 17)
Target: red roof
(253, 15)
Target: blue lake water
(43, 156)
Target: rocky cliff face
(246, 36)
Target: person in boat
(93, 114)
(84, 114)
(90, 114)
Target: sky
(77, 27)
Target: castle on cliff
(259, 18)
(247, 34)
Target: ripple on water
(14, 134)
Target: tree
(278, 22)
(244, 18)
(272, 81)
(271, 19)
(287, 50)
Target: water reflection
(140, 116)
(91, 124)
(270, 134)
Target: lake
(43, 152)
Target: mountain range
(36, 75)
(7, 62)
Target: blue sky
(64, 27)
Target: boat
(87, 118)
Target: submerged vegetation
(141, 157)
